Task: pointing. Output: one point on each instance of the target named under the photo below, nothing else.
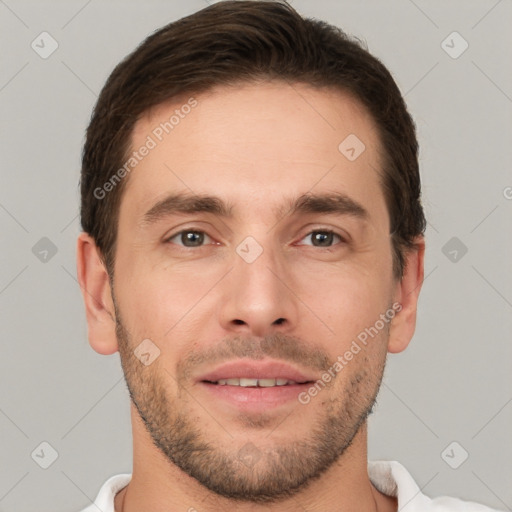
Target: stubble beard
(246, 472)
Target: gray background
(453, 383)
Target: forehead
(255, 142)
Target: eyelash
(191, 230)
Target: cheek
(157, 300)
(348, 299)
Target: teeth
(248, 382)
(266, 383)
(262, 383)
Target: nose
(257, 297)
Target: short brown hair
(234, 42)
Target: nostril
(238, 321)
(279, 321)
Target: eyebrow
(334, 203)
(184, 203)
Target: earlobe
(99, 306)
(406, 293)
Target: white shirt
(390, 478)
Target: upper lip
(256, 370)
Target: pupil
(323, 239)
(192, 238)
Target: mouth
(255, 386)
(247, 382)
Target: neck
(160, 486)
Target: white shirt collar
(389, 477)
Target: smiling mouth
(256, 383)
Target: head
(251, 195)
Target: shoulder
(446, 503)
(392, 479)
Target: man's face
(275, 289)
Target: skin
(254, 146)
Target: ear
(407, 291)
(95, 286)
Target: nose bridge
(258, 267)
(256, 299)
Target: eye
(190, 238)
(322, 238)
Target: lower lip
(256, 399)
